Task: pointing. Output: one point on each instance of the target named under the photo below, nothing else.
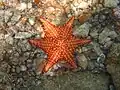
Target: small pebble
(31, 20)
(22, 6)
(101, 58)
(29, 5)
(22, 35)
(17, 69)
(82, 61)
(23, 68)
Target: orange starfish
(59, 43)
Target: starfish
(58, 43)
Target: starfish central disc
(59, 43)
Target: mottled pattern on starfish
(58, 43)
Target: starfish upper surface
(58, 43)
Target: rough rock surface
(98, 63)
(77, 81)
(113, 64)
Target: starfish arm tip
(83, 41)
(30, 41)
(41, 17)
(88, 41)
(46, 68)
(35, 42)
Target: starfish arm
(68, 26)
(80, 41)
(41, 43)
(53, 59)
(49, 29)
(69, 58)
(71, 61)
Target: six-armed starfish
(59, 43)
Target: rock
(22, 35)
(29, 5)
(102, 18)
(91, 65)
(19, 62)
(97, 48)
(63, 2)
(108, 44)
(83, 49)
(4, 81)
(15, 18)
(4, 67)
(1, 15)
(8, 15)
(24, 45)
(27, 54)
(106, 34)
(82, 61)
(19, 81)
(114, 50)
(22, 6)
(113, 64)
(29, 61)
(9, 39)
(83, 30)
(3, 47)
(86, 47)
(92, 55)
(112, 34)
(11, 3)
(101, 58)
(13, 70)
(84, 17)
(103, 36)
(14, 60)
(31, 20)
(2, 36)
(100, 63)
(29, 66)
(23, 68)
(111, 3)
(118, 38)
(78, 6)
(94, 34)
(114, 70)
(17, 69)
(116, 12)
(77, 81)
